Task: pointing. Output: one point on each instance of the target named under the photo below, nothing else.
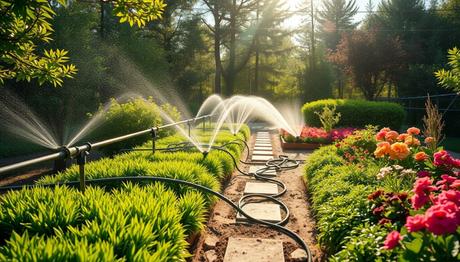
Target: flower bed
(312, 137)
(386, 196)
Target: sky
(293, 5)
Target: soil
(221, 224)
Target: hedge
(357, 113)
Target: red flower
(375, 195)
(446, 181)
(442, 158)
(392, 240)
(441, 219)
(423, 185)
(419, 200)
(415, 223)
(380, 136)
(449, 196)
(423, 173)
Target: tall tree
(370, 59)
(335, 18)
(269, 40)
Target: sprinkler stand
(81, 161)
(153, 132)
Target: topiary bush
(357, 113)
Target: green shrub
(364, 244)
(357, 113)
(104, 168)
(132, 116)
(132, 223)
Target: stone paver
(254, 250)
(261, 158)
(262, 153)
(263, 148)
(263, 211)
(269, 172)
(260, 188)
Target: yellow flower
(383, 148)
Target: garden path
(222, 225)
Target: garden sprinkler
(205, 154)
(62, 163)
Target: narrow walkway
(228, 238)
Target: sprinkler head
(205, 154)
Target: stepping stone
(263, 145)
(268, 172)
(254, 250)
(263, 211)
(262, 153)
(263, 141)
(263, 133)
(260, 188)
(263, 148)
(261, 158)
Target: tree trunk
(256, 64)
(217, 79)
(231, 74)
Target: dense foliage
(112, 222)
(382, 196)
(357, 113)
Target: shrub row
(338, 194)
(357, 113)
(130, 223)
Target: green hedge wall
(357, 113)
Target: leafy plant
(328, 117)
(450, 79)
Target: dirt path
(221, 224)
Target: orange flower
(421, 156)
(412, 141)
(402, 136)
(385, 129)
(383, 148)
(391, 136)
(413, 131)
(399, 151)
(429, 140)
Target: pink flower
(441, 219)
(380, 136)
(442, 158)
(415, 223)
(419, 200)
(423, 185)
(449, 196)
(446, 181)
(392, 240)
